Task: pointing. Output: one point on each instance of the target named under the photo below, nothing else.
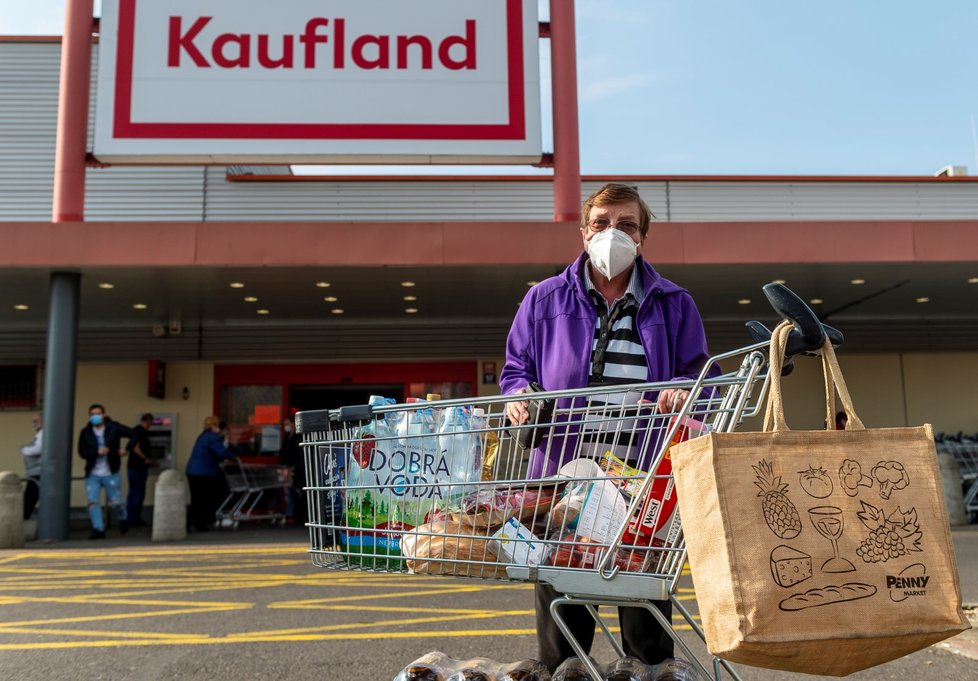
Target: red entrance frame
(287, 375)
(124, 127)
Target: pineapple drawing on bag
(779, 513)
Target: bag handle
(834, 381)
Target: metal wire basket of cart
(964, 449)
(250, 493)
(580, 497)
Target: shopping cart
(247, 485)
(565, 509)
(964, 448)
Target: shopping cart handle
(809, 333)
(761, 334)
(322, 420)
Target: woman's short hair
(210, 422)
(616, 193)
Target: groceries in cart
(403, 467)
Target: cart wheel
(279, 522)
(234, 525)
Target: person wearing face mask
(100, 444)
(608, 319)
(291, 456)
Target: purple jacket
(551, 337)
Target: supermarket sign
(331, 81)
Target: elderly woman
(204, 475)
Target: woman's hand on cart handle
(518, 412)
(672, 400)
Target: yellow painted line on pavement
(123, 616)
(45, 631)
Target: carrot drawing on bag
(779, 513)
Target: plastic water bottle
(525, 670)
(674, 669)
(463, 450)
(571, 669)
(488, 440)
(371, 505)
(628, 669)
(417, 466)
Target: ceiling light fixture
(236, 284)
(532, 283)
(323, 284)
(139, 306)
(106, 285)
(407, 284)
(411, 310)
(251, 299)
(22, 307)
(816, 301)
(923, 299)
(973, 280)
(337, 310)
(744, 301)
(262, 311)
(410, 299)
(778, 281)
(330, 299)
(857, 282)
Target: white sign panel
(344, 81)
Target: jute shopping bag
(822, 552)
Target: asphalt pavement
(250, 604)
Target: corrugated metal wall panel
(29, 75)
(28, 116)
(741, 201)
(364, 200)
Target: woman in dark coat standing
(204, 475)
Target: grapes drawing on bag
(890, 536)
(780, 514)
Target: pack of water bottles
(403, 467)
(437, 666)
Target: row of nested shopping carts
(371, 516)
(964, 449)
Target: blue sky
(783, 87)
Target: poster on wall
(304, 81)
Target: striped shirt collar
(635, 289)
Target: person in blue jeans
(100, 444)
(138, 470)
(204, 475)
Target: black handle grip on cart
(323, 420)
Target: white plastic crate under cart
(565, 512)
(248, 484)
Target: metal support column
(567, 155)
(68, 205)
(59, 406)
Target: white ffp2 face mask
(611, 252)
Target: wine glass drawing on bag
(828, 523)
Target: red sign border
(125, 128)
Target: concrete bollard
(170, 507)
(953, 491)
(11, 511)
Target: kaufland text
(323, 43)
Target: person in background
(608, 319)
(138, 470)
(291, 456)
(100, 444)
(207, 486)
(841, 419)
(32, 467)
